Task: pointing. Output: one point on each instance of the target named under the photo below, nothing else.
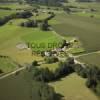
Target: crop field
(73, 87)
(93, 59)
(82, 27)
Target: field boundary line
(85, 54)
(11, 73)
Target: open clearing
(83, 27)
(73, 88)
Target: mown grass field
(17, 87)
(93, 59)
(38, 37)
(83, 27)
(73, 88)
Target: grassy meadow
(51, 67)
(16, 87)
(76, 25)
(83, 27)
(7, 65)
(73, 87)
(15, 6)
(12, 34)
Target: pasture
(51, 67)
(17, 87)
(85, 28)
(73, 87)
(12, 34)
(7, 65)
(77, 25)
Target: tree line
(24, 14)
(89, 72)
(44, 25)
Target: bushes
(45, 75)
(29, 23)
(50, 60)
(4, 20)
(1, 71)
(34, 63)
(42, 91)
(64, 69)
(25, 14)
(92, 73)
(45, 25)
(80, 70)
(92, 77)
(5, 8)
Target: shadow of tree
(59, 97)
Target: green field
(5, 13)
(37, 37)
(15, 6)
(82, 27)
(7, 65)
(77, 25)
(51, 67)
(91, 59)
(16, 87)
(13, 34)
(73, 88)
